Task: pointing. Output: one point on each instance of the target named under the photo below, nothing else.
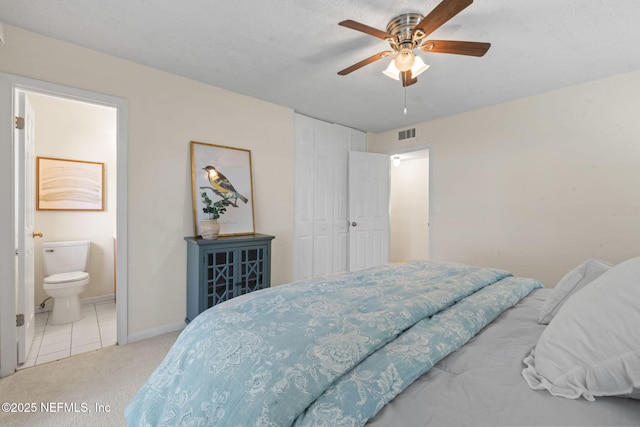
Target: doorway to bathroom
(70, 133)
(75, 125)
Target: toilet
(64, 266)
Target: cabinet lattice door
(225, 268)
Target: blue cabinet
(224, 268)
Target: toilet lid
(72, 276)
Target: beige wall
(165, 113)
(78, 131)
(537, 185)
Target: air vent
(406, 134)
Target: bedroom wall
(165, 113)
(537, 185)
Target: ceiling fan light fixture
(392, 71)
(419, 67)
(405, 60)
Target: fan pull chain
(405, 100)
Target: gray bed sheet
(481, 385)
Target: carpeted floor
(90, 389)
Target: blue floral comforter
(326, 351)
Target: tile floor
(97, 329)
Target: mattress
(481, 384)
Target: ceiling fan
(407, 32)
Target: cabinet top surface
(223, 239)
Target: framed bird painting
(222, 188)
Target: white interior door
(368, 210)
(25, 165)
(323, 199)
(313, 197)
(341, 136)
(303, 196)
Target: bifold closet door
(321, 198)
(303, 196)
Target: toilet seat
(65, 280)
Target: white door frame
(8, 84)
(428, 147)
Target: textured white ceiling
(289, 51)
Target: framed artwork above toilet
(69, 185)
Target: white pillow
(571, 283)
(592, 346)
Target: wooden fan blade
(441, 14)
(365, 29)
(364, 62)
(456, 47)
(407, 79)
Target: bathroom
(73, 130)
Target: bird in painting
(222, 186)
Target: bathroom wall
(78, 131)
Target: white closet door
(303, 196)
(323, 200)
(357, 140)
(321, 197)
(340, 250)
(368, 210)
(313, 201)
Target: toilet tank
(63, 257)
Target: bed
(421, 343)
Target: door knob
(37, 234)
(353, 224)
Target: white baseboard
(150, 333)
(89, 300)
